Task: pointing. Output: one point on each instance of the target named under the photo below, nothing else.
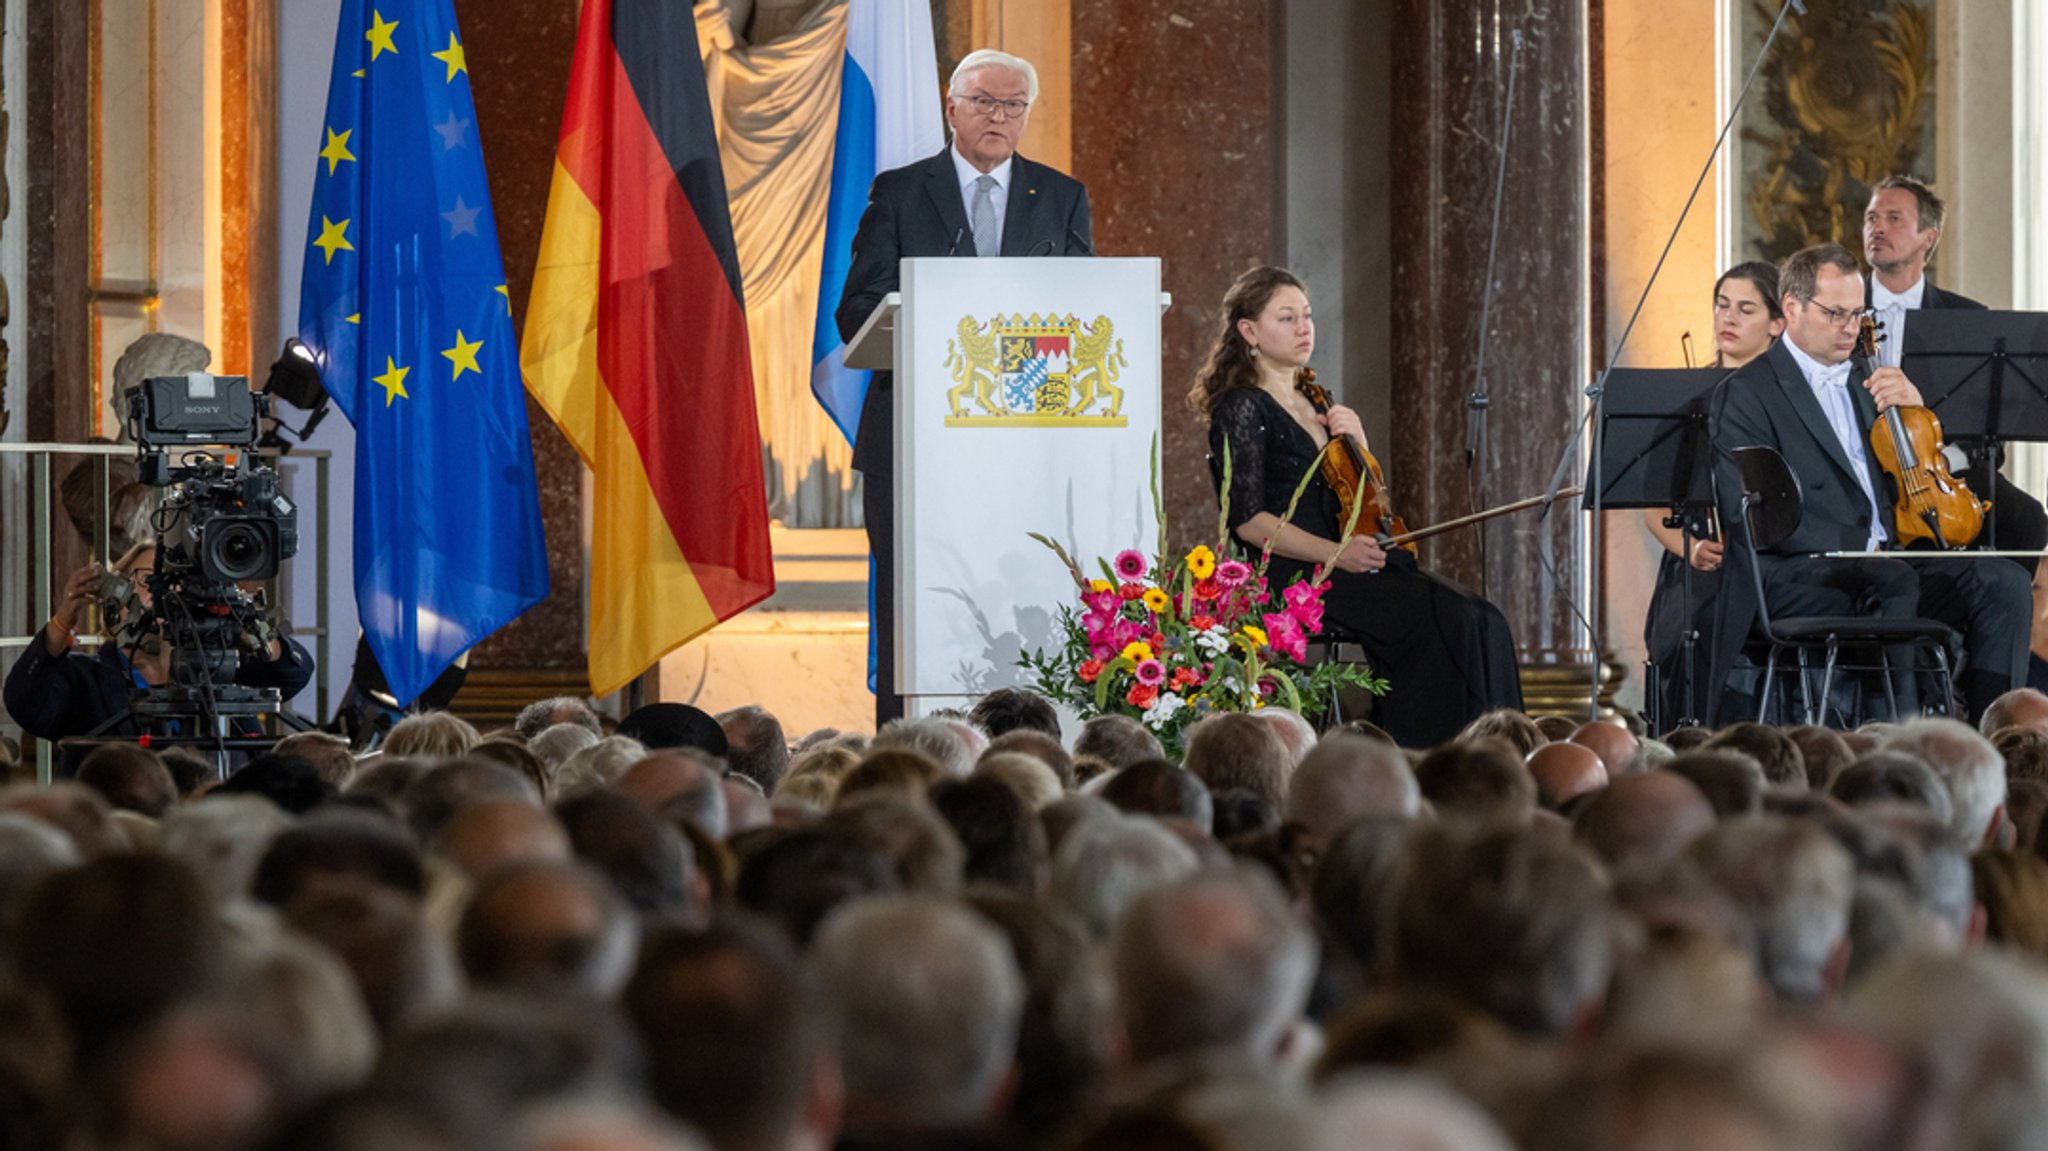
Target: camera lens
(239, 550)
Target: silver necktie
(987, 241)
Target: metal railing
(291, 468)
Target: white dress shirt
(999, 196)
(1831, 387)
(1891, 308)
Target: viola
(1354, 474)
(1929, 503)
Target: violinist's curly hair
(1229, 363)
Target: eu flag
(404, 305)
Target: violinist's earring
(1255, 351)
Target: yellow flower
(1099, 586)
(1255, 634)
(1156, 601)
(1138, 651)
(1202, 562)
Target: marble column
(1173, 133)
(529, 44)
(1452, 61)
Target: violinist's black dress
(1446, 653)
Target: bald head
(682, 783)
(1644, 818)
(1565, 770)
(1347, 778)
(1614, 744)
(2022, 707)
(485, 837)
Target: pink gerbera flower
(1231, 573)
(1130, 565)
(1151, 673)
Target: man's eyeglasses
(1840, 318)
(988, 106)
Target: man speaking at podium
(976, 198)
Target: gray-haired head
(1347, 778)
(982, 58)
(1214, 960)
(221, 838)
(1794, 882)
(1107, 861)
(1967, 762)
(928, 999)
(942, 741)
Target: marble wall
(1451, 64)
(1174, 135)
(531, 44)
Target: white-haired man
(976, 198)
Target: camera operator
(55, 692)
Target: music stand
(1657, 452)
(1965, 363)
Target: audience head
(130, 778)
(1117, 740)
(548, 927)
(329, 755)
(1643, 820)
(1774, 751)
(221, 838)
(1565, 771)
(598, 765)
(680, 783)
(1480, 780)
(1614, 744)
(1507, 920)
(486, 836)
(1967, 763)
(1027, 775)
(1215, 960)
(431, 735)
(1106, 862)
(920, 846)
(926, 999)
(1793, 882)
(514, 754)
(555, 711)
(662, 726)
(72, 808)
(1731, 780)
(1348, 778)
(402, 966)
(1009, 709)
(1004, 845)
(337, 845)
(932, 737)
(441, 793)
(1159, 789)
(794, 879)
(1506, 723)
(1037, 745)
(735, 1039)
(1824, 752)
(554, 745)
(754, 745)
(2020, 707)
(1884, 777)
(293, 784)
(1296, 733)
(647, 860)
(1232, 749)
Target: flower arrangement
(1170, 639)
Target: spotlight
(295, 379)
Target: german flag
(636, 341)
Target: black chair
(1771, 510)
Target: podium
(1027, 399)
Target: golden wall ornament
(1848, 97)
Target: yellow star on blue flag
(402, 273)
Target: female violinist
(1747, 317)
(1446, 652)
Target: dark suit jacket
(1768, 403)
(916, 210)
(59, 696)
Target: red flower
(1091, 669)
(1141, 695)
(1158, 640)
(1202, 622)
(1208, 589)
(1185, 677)
(1131, 591)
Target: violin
(1930, 503)
(1351, 471)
